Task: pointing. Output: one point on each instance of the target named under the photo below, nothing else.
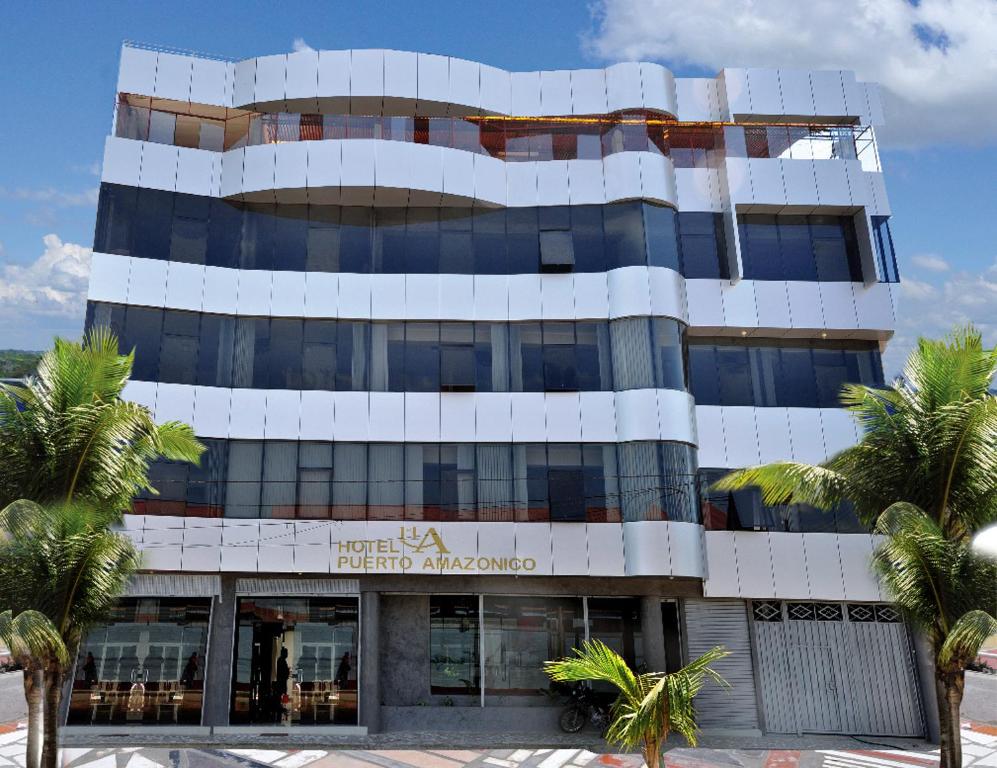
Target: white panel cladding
(490, 182)
(422, 297)
(555, 92)
(387, 296)
(557, 297)
(173, 75)
(457, 417)
(358, 164)
(533, 540)
(321, 294)
(291, 170)
(464, 84)
(233, 164)
(325, 170)
(142, 393)
(636, 415)
(647, 547)
(184, 285)
(721, 565)
(801, 182)
(366, 81)
(797, 96)
(569, 547)
(491, 297)
(838, 305)
(147, 283)
(824, 566)
(858, 185)
(706, 309)
(109, 278)
(605, 549)
(159, 167)
(552, 182)
(772, 300)
(354, 295)
(563, 414)
(247, 418)
(122, 161)
(433, 84)
(137, 71)
(763, 86)
(270, 78)
(622, 176)
(529, 419)
(211, 411)
(741, 435)
(829, 93)
(259, 167)
(855, 101)
(386, 419)
(789, 567)
(832, 183)
(598, 416)
(696, 99)
(244, 83)
(698, 189)
(586, 183)
(524, 297)
(738, 302)
(804, 304)
(521, 187)
(711, 437)
(458, 173)
(318, 415)
(839, 430)
(401, 79)
(875, 104)
(221, 291)
(301, 78)
(493, 417)
(629, 292)
(588, 92)
(767, 186)
(495, 90)
(288, 294)
(774, 441)
(195, 171)
(658, 88)
(874, 306)
(623, 87)
(677, 416)
(174, 402)
(687, 550)
(352, 416)
(657, 178)
(255, 287)
(754, 564)
(807, 435)
(525, 91)
(591, 290)
(855, 552)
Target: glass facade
(144, 665)
(883, 239)
(808, 248)
(486, 241)
(296, 661)
(790, 374)
(744, 510)
(454, 644)
(525, 482)
(179, 347)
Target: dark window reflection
(793, 247)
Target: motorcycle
(584, 706)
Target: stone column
(221, 646)
(370, 678)
(653, 634)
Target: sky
(936, 61)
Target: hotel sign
(412, 550)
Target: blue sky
(933, 58)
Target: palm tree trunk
(652, 753)
(950, 687)
(53, 697)
(34, 692)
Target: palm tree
(649, 705)
(929, 440)
(31, 638)
(947, 591)
(63, 562)
(67, 435)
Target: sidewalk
(979, 748)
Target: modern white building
(467, 348)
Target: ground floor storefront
(391, 653)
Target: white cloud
(935, 59)
(931, 262)
(934, 309)
(299, 44)
(54, 284)
(53, 196)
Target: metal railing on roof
(179, 51)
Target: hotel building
(467, 348)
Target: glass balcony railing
(513, 139)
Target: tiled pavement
(979, 748)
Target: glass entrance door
(296, 661)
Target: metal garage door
(835, 668)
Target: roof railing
(179, 51)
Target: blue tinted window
(797, 385)
(318, 355)
(355, 240)
(831, 371)
(422, 357)
(489, 242)
(291, 237)
(389, 240)
(179, 347)
(560, 368)
(703, 252)
(258, 237)
(797, 250)
(322, 246)
(224, 235)
(143, 332)
(704, 383)
(116, 216)
(760, 248)
(884, 249)
(587, 238)
(153, 224)
(734, 376)
(624, 228)
(662, 236)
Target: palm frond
(965, 638)
(30, 634)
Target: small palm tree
(32, 638)
(63, 562)
(946, 590)
(929, 440)
(650, 705)
(67, 435)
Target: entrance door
(296, 661)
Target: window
(702, 247)
(560, 369)
(888, 272)
(457, 358)
(789, 247)
(661, 234)
(454, 645)
(142, 332)
(616, 622)
(179, 347)
(566, 483)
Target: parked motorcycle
(584, 706)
